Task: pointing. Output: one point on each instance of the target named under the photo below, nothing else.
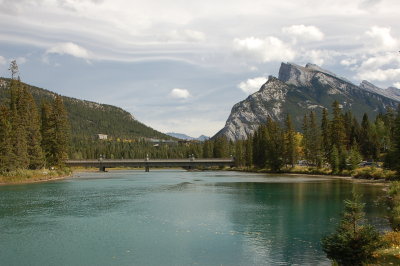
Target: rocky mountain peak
(390, 92)
(393, 90)
(296, 91)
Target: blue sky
(181, 65)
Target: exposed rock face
(248, 114)
(299, 90)
(390, 92)
(394, 92)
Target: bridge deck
(189, 163)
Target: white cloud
(318, 57)
(304, 33)
(381, 39)
(179, 93)
(252, 85)
(264, 50)
(3, 61)
(348, 62)
(69, 48)
(186, 36)
(397, 85)
(379, 67)
(380, 74)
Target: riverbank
(33, 176)
(362, 174)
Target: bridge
(190, 163)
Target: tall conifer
(290, 142)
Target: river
(174, 217)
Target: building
(102, 136)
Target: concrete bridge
(190, 163)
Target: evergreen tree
(207, 149)
(325, 135)
(368, 140)
(5, 140)
(239, 153)
(306, 139)
(354, 157)
(58, 133)
(396, 144)
(354, 242)
(47, 131)
(314, 141)
(32, 126)
(337, 129)
(274, 143)
(19, 154)
(249, 151)
(221, 147)
(290, 148)
(334, 160)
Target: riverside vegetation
(33, 144)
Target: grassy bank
(390, 255)
(360, 173)
(30, 176)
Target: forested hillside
(90, 118)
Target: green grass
(29, 176)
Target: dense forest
(31, 138)
(337, 141)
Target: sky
(180, 65)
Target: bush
(354, 242)
(374, 173)
(393, 203)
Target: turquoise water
(174, 218)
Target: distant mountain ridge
(297, 91)
(89, 118)
(186, 137)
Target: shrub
(354, 242)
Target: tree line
(337, 141)
(31, 137)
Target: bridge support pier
(102, 169)
(147, 169)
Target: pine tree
(354, 157)
(207, 149)
(396, 144)
(47, 133)
(19, 154)
(274, 143)
(334, 160)
(354, 242)
(314, 141)
(337, 129)
(5, 140)
(55, 130)
(325, 136)
(221, 147)
(368, 140)
(249, 151)
(239, 153)
(290, 142)
(30, 116)
(306, 139)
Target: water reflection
(173, 218)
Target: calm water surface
(174, 218)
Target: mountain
(391, 92)
(297, 91)
(186, 137)
(89, 118)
